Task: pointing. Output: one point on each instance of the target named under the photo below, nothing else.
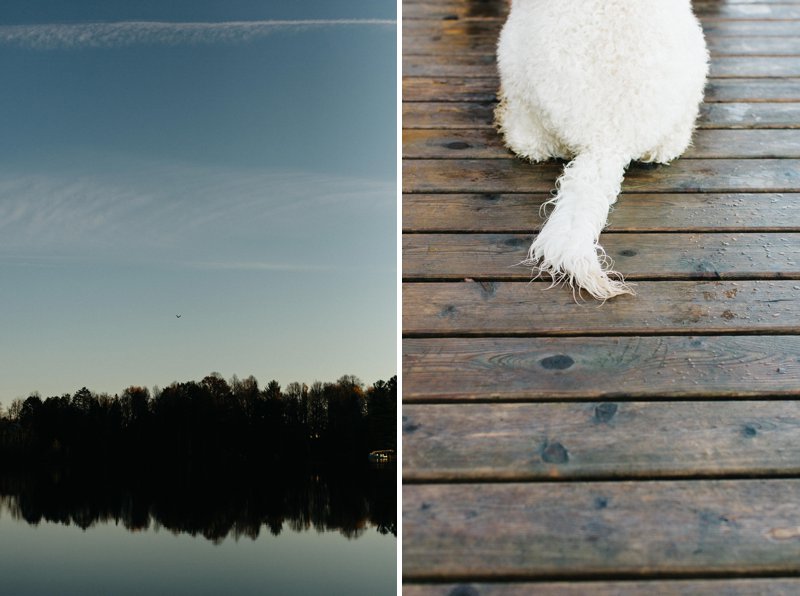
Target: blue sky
(197, 158)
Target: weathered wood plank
(738, 28)
(485, 143)
(446, 89)
(658, 368)
(491, 27)
(587, 530)
(458, 65)
(752, 8)
(709, 12)
(726, 587)
(456, 10)
(606, 440)
(755, 66)
(742, 115)
(519, 308)
(519, 213)
(449, 115)
(459, 30)
(470, 115)
(752, 90)
(639, 256)
(446, 42)
(696, 3)
(687, 175)
(484, 65)
(526, 531)
(738, 90)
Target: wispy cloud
(204, 217)
(126, 33)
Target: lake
(308, 534)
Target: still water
(310, 536)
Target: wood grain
(710, 13)
(600, 440)
(520, 308)
(688, 175)
(444, 32)
(526, 531)
(569, 368)
(739, 90)
(638, 256)
(471, 115)
(486, 143)
(634, 212)
(571, 448)
(484, 65)
(452, 42)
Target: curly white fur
(601, 82)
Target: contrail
(127, 33)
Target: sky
(232, 162)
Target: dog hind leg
(524, 133)
(674, 144)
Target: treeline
(205, 424)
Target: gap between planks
(778, 586)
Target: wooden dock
(648, 445)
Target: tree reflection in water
(215, 506)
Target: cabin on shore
(382, 455)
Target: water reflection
(214, 506)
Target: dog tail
(567, 247)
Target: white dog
(600, 82)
